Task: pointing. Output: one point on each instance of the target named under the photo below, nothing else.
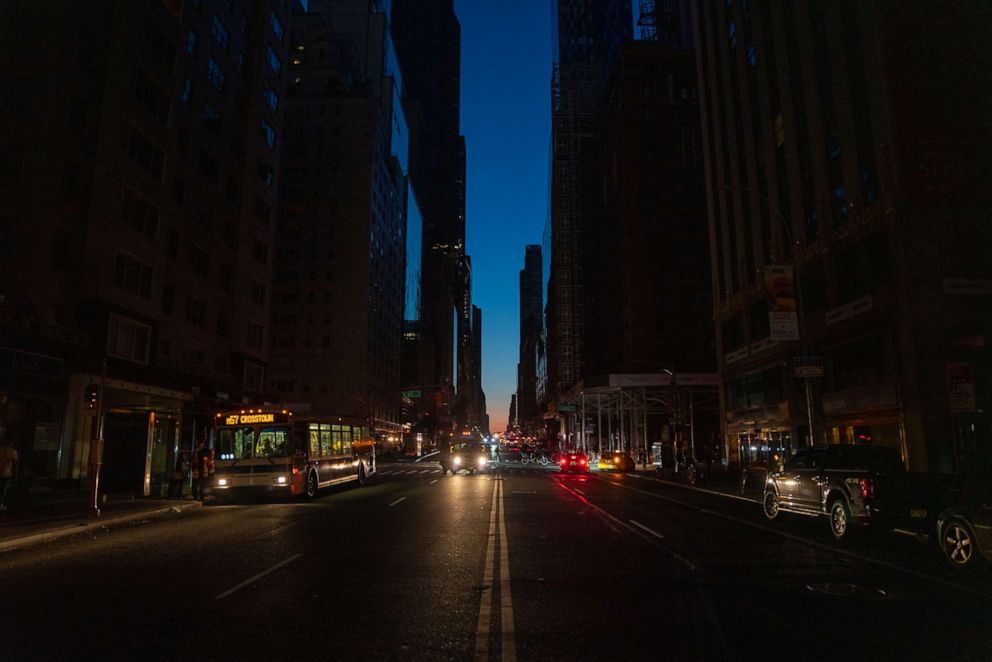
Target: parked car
(848, 485)
(615, 461)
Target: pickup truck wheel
(840, 520)
(957, 543)
(771, 505)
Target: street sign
(411, 394)
(808, 366)
(566, 408)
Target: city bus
(273, 451)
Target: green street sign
(411, 394)
(566, 408)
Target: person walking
(203, 469)
(8, 463)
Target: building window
(212, 119)
(196, 311)
(215, 74)
(222, 324)
(208, 166)
(226, 278)
(127, 339)
(276, 25)
(265, 173)
(191, 43)
(260, 251)
(199, 261)
(274, 62)
(187, 92)
(271, 98)
(255, 335)
(256, 292)
(133, 275)
(168, 294)
(219, 32)
(145, 154)
(253, 377)
(152, 98)
(268, 134)
(139, 213)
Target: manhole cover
(848, 590)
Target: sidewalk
(37, 517)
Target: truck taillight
(867, 487)
(296, 471)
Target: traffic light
(90, 396)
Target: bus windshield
(247, 442)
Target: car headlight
(457, 460)
(482, 460)
(280, 480)
(222, 482)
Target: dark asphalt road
(532, 565)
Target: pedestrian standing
(203, 463)
(8, 462)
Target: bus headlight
(457, 461)
(482, 460)
(221, 482)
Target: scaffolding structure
(629, 412)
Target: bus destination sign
(253, 418)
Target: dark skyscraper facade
(428, 42)
(339, 310)
(142, 161)
(586, 35)
(826, 194)
(531, 309)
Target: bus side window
(314, 440)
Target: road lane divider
(252, 580)
(508, 640)
(644, 528)
(486, 597)
(434, 481)
(397, 501)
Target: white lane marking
(811, 543)
(396, 502)
(434, 481)
(436, 471)
(411, 471)
(486, 598)
(508, 647)
(651, 531)
(257, 577)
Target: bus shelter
(631, 411)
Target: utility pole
(96, 446)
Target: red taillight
(296, 471)
(867, 487)
(582, 460)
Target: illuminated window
(214, 74)
(268, 134)
(274, 62)
(271, 98)
(191, 43)
(276, 25)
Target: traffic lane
(140, 588)
(875, 543)
(790, 588)
(400, 581)
(586, 587)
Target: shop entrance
(125, 450)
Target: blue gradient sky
(506, 120)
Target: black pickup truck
(848, 485)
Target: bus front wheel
(362, 478)
(312, 485)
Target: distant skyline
(506, 120)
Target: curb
(73, 529)
(729, 495)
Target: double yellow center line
(498, 545)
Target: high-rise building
(339, 308)
(531, 309)
(586, 35)
(847, 185)
(141, 162)
(428, 43)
